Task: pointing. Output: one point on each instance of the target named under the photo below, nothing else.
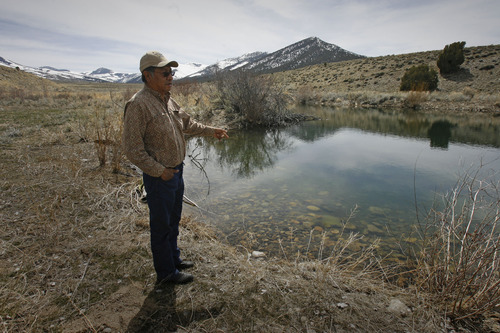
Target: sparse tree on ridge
(451, 58)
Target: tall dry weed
(459, 258)
(101, 123)
(415, 98)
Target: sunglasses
(167, 74)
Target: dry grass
(415, 98)
(75, 255)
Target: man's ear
(147, 75)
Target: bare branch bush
(195, 99)
(345, 259)
(250, 99)
(102, 124)
(459, 258)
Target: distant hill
(12, 79)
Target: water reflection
(440, 134)
(292, 189)
(245, 154)
(478, 129)
(251, 152)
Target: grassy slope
(383, 74)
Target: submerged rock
(313, 208)
(374, 229)
(377, 210)
(331, 221)
(318, 228)
(350, 226)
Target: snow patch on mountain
(228, 64)
(187, 69)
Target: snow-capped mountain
(229, 64)
(107, 75)
(188, 69)
(98, 75)
(306, 52)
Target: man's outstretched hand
(221, 134)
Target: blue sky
(85, 35)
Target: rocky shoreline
(425, 104)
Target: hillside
(13, 78)
(480, 71)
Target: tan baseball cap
(155, 59)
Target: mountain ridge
(309, 51)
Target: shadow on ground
(159, 314)
(462, 75)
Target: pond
(301, 188)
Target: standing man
(153, 139)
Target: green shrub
(419, 78)
(451, 58)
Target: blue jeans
(165, 208)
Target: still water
(292, 190)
